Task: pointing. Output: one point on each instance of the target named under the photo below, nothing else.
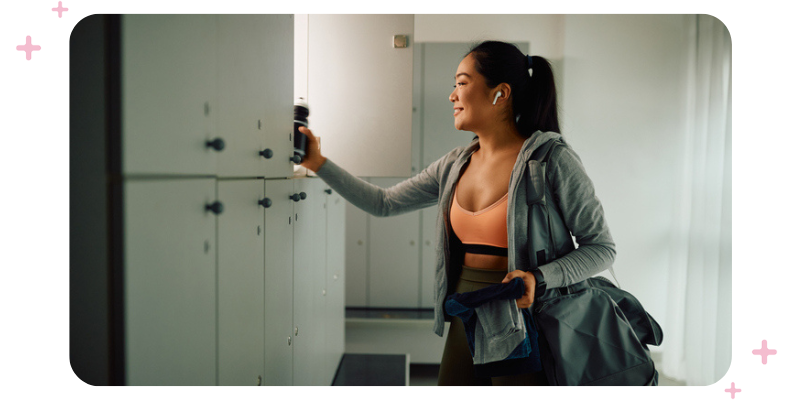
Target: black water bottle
(300, 140)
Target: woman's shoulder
(564, 161)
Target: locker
(169, 282)
(428, 267)
(219, 288)
(169, 94)
(240, 283)
(335, 275)
(278, 283)
(309, 283)
(255, 95)
(393, 257)
(356, 253)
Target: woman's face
(471, 97)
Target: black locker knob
(298, 197)
(267, 153)
(215, 207)
(296, 159)
(266, 202)
(218, 144)
(328, 191)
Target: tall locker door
(416, 115)
(256, 71)
(359, 90)
(278, 270)
(334, 302)
(427, 265)
(309, 282)
(169, 277)
(169, 89)
(393, 257)
(428, 249)
(240, 282)
(356, 254)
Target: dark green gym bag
(593, 333)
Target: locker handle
(266, 202)
(215, 207)
(266, 153)
(298, 197)
(296, 158)
(328, 191)
(218, 144)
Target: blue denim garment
(575, 200)
(524, 357)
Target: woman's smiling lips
(457, 110)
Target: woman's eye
(458, 84)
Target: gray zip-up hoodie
(574, 196)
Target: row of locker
(233, 282)
(207, 94)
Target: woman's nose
(453, 96)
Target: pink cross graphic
(764, 352)
(28, 48)
(60, 9)
(733, 390)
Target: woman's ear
(501, 92)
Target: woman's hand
(313, 159)
(530, 287)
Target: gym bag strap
(591, 332)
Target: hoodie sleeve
(574, 195)
(419, 191)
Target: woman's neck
(499, 143)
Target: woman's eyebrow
(462, 73)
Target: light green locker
(393, 257)
(309, 283)
(169, 282)
(255, 84)
(335, 281)
(169, 94)
(278, 282)
(240, 283)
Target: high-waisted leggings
(456, 367)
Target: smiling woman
(508, 100)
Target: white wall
(624, 102)
(543, 32)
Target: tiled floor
(426, 375)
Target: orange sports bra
(484, 231)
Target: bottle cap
(301, 102)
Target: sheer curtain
(697, 337)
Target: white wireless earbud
(499, 93)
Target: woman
(482, 220)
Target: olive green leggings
(456, 367)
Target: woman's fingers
(527, 298)
(511, 275)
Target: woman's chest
(483, 184)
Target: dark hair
(533, 95)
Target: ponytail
(540, 112)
